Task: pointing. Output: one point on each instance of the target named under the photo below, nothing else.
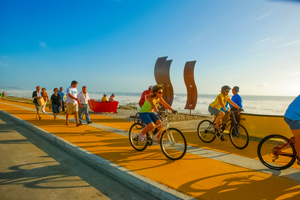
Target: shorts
(55, 108)
(214, 111)
(147, 118)
(71, 108)
(294, 124)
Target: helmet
(225, 87)
(156, 88)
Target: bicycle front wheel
(134, 131)
(275, 152)
(206, 131)
(239, 136)
(173, 144)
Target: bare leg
(219, 118)
(148, 128)
(76, 117)
(296, 134)
(67, 119)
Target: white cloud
(44, 45)
(262, 16)
(292, 43)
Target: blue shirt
(293, 111)
(238, 100)
(61, 94)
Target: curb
(129, 178)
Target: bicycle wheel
(173, 144)
(134, 131)
(239, 136)
(137, 118)
(206, 131)
(275, 152)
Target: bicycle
(172, 142)
(238, 134)
(277, 152)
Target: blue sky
(112, 45)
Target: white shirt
(73, 92)
(83, 99)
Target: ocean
(266, 105)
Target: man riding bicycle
(292, 118)
(148, 116)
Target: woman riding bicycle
(220, 102)
(292, 118)
(148, 116)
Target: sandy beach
(181, 121)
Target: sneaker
(223, 138)
(89, 122)
(142, 137)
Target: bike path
(200, 174)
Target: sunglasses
(227, 91)
(159, 92)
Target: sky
(112, 45)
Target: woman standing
(55, 102)
(46, 98)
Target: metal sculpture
(191, 88)
(162, 77)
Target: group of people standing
(3, 95)
(76, 103)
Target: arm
(90, 104)
(165, 104)
(232, 103)
(71, 96)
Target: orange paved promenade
(197, 176)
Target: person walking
(36, 95)
(84, 99)
(72, 102)
(55, 102)
(46, 99)
(61, 94)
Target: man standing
(72, 102)
(236, 98)
(61, 94)
(145, 95)
(84, 99)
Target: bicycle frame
(277, 150)
(225, 124)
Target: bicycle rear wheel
(173, 144)
(275, 152)
(137, 118)
(239, 136)
(134, 131)
(206, 131)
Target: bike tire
(173, 144)
(239, 138)
(137, 118)
(266, 151)
(206, 131)
(134, 130)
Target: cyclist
(220, 102)
(148, 116)
(292, 118)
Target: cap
(104, 94)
